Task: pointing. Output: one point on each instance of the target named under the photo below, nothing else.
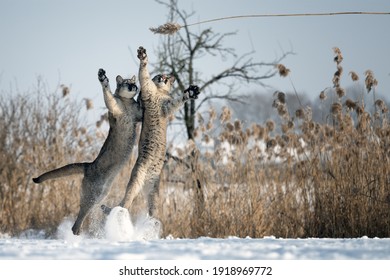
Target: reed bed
(291, 178)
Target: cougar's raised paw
(141, 53)
(102, 75)
(193, 91)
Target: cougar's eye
(132, 87)
(159, 79)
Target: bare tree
(177, 54)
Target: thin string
(290, 15)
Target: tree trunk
(189, 118)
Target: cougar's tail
(67, 170)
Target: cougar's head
(163, 82)
(126, 87)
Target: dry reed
(308, 180)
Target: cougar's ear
(133, 79)
(119, 79)
(172, 79)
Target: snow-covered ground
(139, 246)
(197, 249)
(141, 240)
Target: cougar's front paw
(102, 76)
(192, 92)
(141, 53)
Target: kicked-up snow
(119, 226)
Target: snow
(134, 244)
(196, 249)
(140, 240)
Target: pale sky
(67, 41)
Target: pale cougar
(123, 114)
(157, 106)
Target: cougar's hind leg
(106, 209)
(134, 186)
(88, 199)
(151, 196)
(85, 209)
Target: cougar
(157, 106)
(123, 115)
